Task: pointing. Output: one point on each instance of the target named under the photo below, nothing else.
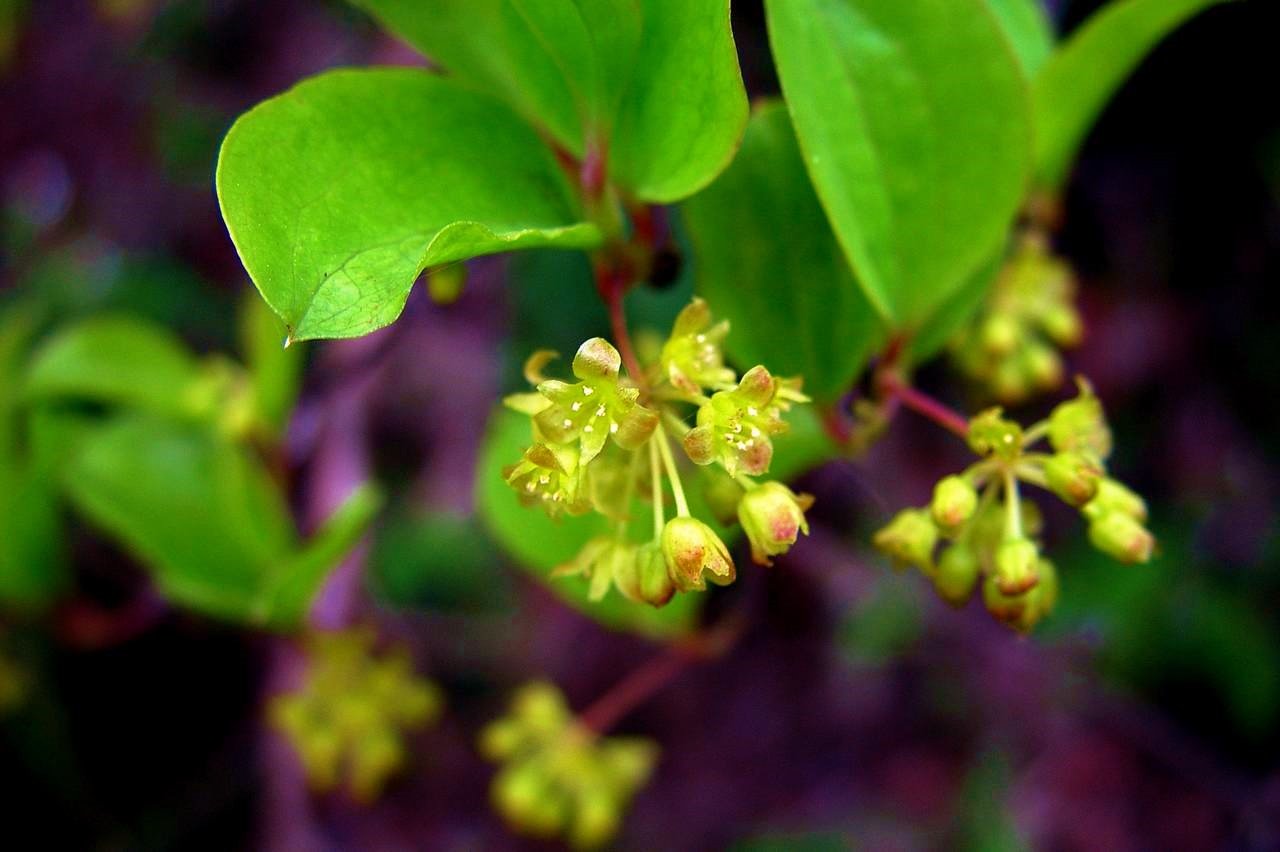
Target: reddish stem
(612, 284)
(645, 682)
(925, 405)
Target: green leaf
(914, 122)
(957, 310)
(655, 83)
(116, 360)
(340, 191)
(539, 544)
(1028, 30)
(1086, 71)
(275, 370)
(767, 261)
(205, 518)
(289, 593)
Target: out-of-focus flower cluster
(1011, 346)
(348, 720)
(988, 532)
(558, 778)
(603, 444)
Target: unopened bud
(1016, 560)
(1122, 538)
(1063, 325)
(1079, 425)
(595, 819)
(722, 493)
(772, 515)
(909, 538)
(694, 554)
(1112, 497)
(1005, 608)
(646, 579)
(1000, 334)
(954, 500)
(1042, 365)
(957, 574)
(1074, 477)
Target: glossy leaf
(914, 121)
(1090, 66)
(115, 360)
(957, 310)
(1028, 30)
(655, 83)
(340, 191)
(766, 260)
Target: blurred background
(857, 711)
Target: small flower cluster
(602, 444)
(1011, 347)
(350, 715)
(558, 777)
(989, 534)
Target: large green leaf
(655, 83)
(115, 360)
(1081, 77)
(1028, 29)
(203, 515)
(767, 261)
(913, 116)
(340, 191)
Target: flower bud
(595, 819)
(1016, 560)
(1122, 538)
(1113, 496)
(1005, 608)
(1063, 325)
(1042, 365)
(1079, 424)
(722, 494)
(1074, 477)
(525, 795)
(909, 538)
(1000, 334)
(645, 578)
(1039, 602)
(694, 553)
(954, 500)
(374, 759)
(957, 574)
(772, 515)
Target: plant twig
(927, 406)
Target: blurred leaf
(884, 625)
(196, 509)
(32, 562)
(618, 71)
(1028, 29)
(914, 121)
(289, 593)
(984, 821)
(340, 191)
(539, 544)
(768, 262)
(275, 370)
(1076, 83)
(206, 519)
(114, 360)
(815, 841)
(438, 561)
(1175, 621)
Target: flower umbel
(557, 777)
(992, 530)
(604, 443)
